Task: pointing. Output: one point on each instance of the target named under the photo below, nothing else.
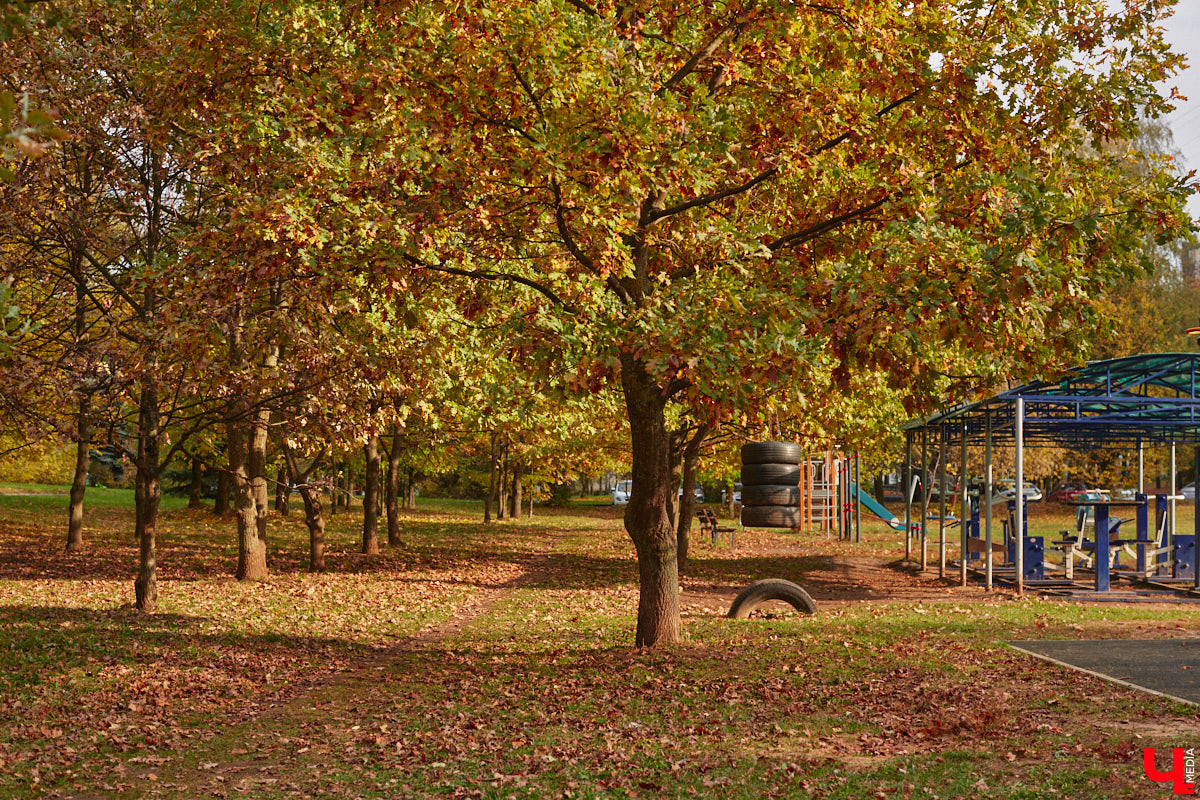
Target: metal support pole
(942, 504)
(964, 533)
(924, 499)
(1171, 489)
(907, 489)
(857, 499)
(1141, 480)
(1019, 516)
(987, 508)
(1196, 551)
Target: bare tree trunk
(502, 485)
(196, 488)
(491, 493)
(677, 439)
(410, 491)
(313, 509)
(224, 485)
(646, 517)
(687, 501)
(283, 489)
(514, 509)
(391, 493)
(252, 551)
(257, 464)
(147, 493)
(370, 536)
(79, 481)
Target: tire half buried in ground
(771, 453)
(760, 592)
(770, 474)
(770, 516)
(770, 495)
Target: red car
(1068, 490)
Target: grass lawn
(495, 661)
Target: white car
(620, 494)
(1188, 492)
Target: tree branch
(697, 58)
(812, 232)
(490, 275)
(713, 197)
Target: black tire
(771, 453)
(770, 495)
(760, 592)
(770, 516)
(769, 474)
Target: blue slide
(877, 508)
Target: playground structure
(1129, 403)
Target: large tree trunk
(196, 489)
(391, 490)
(83, 444)
(257, 463)
(687, 502)
(370, 536)
(147, 493)
(646, 518)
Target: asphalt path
(1169, 667)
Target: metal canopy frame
(1150, 399)
(1135, 401)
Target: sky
(1183, 32)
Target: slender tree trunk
(313, 509)
(646, 517)
(502, 485)
(370, 536)
(514, 509)
(687, 502)
(257, 464)
(246, 456)
(677, 439)
(283, 489)
(196, 489)
(83, 418)
(391, 493)
(410, 491)
(147, 493)
(315, 520)
(224, 484)
(252, 551)
(491, 493)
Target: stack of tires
(771, 485)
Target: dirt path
(264, 757)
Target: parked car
(737, 494)
(621, 492)
(1007, 489)
(1067, 490)
(1189, 491)
(698, 493)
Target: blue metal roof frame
(1150, 398)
